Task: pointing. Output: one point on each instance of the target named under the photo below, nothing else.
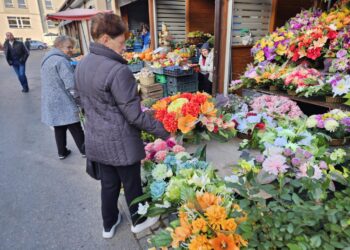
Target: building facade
(27, 19)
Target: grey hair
(61, 39)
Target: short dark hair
(107, 23)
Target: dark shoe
(25, 90)
(61, 157)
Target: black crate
(182, 87)
(178, 72)
(182, 79)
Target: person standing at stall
(146, 37)
(58, 106)
(108, 93)
(16, 55)
(206, 63)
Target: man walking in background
(16, 55)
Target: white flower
(333, 27)
(182, 155)
(311, 122)
(338, 155)
(142, 209)
(331, 125)
(160, 172)
(166, 204)
(232, 178)
(169, 173)
(342, 87)
(317, 173)
(199, 181)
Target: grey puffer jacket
(58, 106)
(108, 93)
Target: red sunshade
(75, 14)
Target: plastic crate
(136, 67)
(194, 59)
(173, 89)
(165, 89)
(182, 79)
(159, 71)
(177, 71)
(161, 79)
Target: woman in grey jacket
(58, 107)
(114, 120)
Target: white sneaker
(110, 234)
(144, 225)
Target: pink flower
(178, 148)
(171, 142)
(275, 164)
(323, 165)
(149, 147)
(302, 171)
(160, 145)
(160, 155)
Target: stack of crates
(181, 81)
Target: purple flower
(269, 53)
(288, 152)
(307, 154)
(341, 53)
(260, 158)
(296, 162)
(346, 121)
(323, 165)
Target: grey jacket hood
(54, 52)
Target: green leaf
(290, 228)
(286, 197)
(294, 247)
(296, 199)
(162, 239)
(187, 194)
(205, 136)
(175, 223)
(316, 241)
(141, 198)
(201, 153)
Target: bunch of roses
(335, 123)
(183, 111)
(301, 78)
(276, 106)
(311, 43)
(209, 222)
(339, 83)
(157, 151)
(272, 47)
(305, 20)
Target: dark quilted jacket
(108, 94)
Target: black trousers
(61, 137)
(204, 85)
(112, 179)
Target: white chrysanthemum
(183, 155)
(311, 122)
(331, 125)
(160, 172)
(142, 209)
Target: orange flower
(183, 219)
(239, 240)
(199, 225)
(216, 214)
(207, 199)
(186, 123)
(224, 242)
(208, 109)
(229, 225)
(180, 234)
(201, 242)
(160, 105)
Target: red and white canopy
(75, 14)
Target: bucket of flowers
(206, 221)
(335, 124)
(193, 116)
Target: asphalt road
(45, 203)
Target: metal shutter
(173, 14)
(253, 15)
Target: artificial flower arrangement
(304, 81)
(167, 171)
(273, 47)
(335, 124)
(305, 20)
(206, 221)
(337, 88)
(195, 116)
(276, 107)
(338, 17)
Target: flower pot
(338, 142)
(291, 92)
(331, 99)
(273, 88)
(244, 136)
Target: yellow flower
(187, 123)
(160, 105)
(279, 38)
(260, 56)
(281, 50)
(237, 207)
(208, 109)
(199, 225)
(263, 43)
(229, 225)
(201, 242)
(216, 214)
(177, 104)
(239, 240)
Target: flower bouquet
(337, 87)
(206, 221)
(305, 20)
(276, 107)
(338, 18)
(194, 116)
(303, 81)
(335, 124)
(273, 47)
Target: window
(9, 4)
(48, 4)
(22, 4)
(18, 22)
(109, 4)
(51, 24)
